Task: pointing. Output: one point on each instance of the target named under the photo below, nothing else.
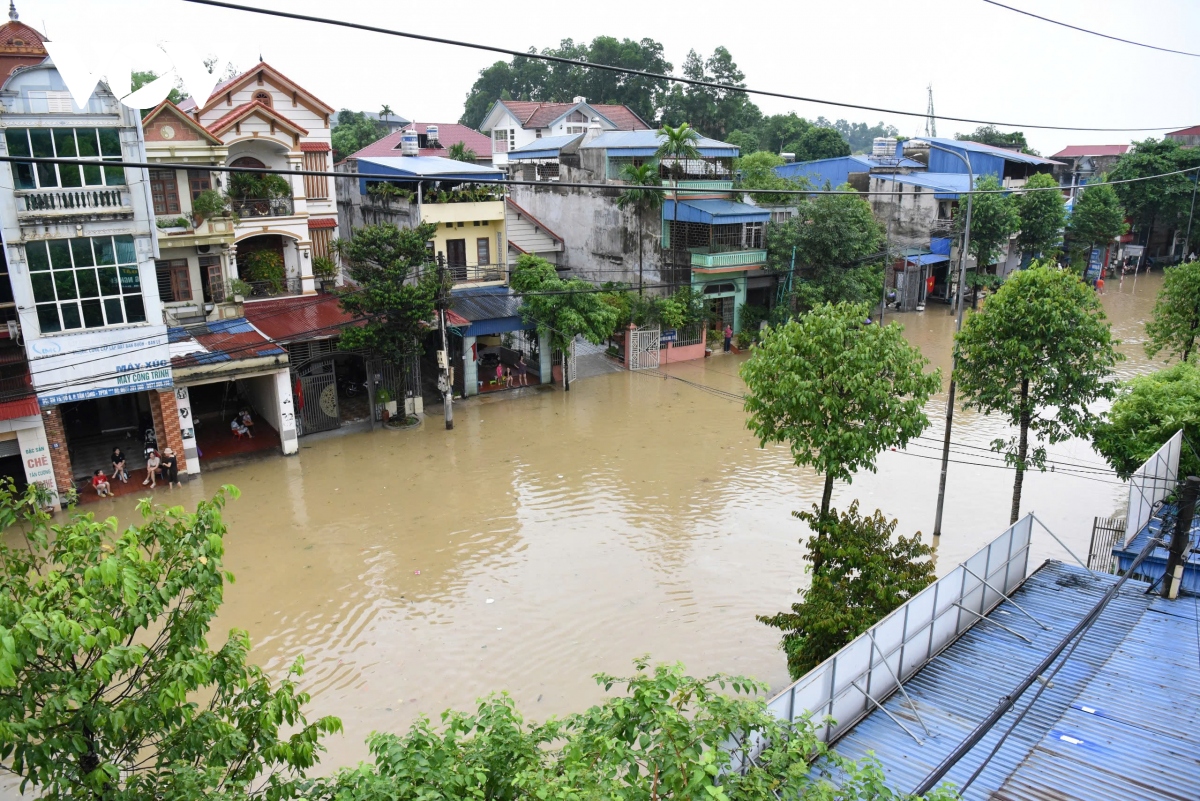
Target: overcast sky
(984, 62)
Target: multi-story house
(514, 124)
(708, 240)
(266, 120)
(432, 139)
(1079, 165)
(81, 243)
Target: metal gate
(402, 381)
(316, 399)
(1107, 533)
(645, 348)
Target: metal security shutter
(9, 447)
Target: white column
(187, 430)
(286, 424)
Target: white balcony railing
(77, 201)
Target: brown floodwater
(551, 536)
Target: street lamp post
(962, 278)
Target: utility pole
(444, 383)
(1187, 240)
(1181, 539)
(962, 279)
(887, 265)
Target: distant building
(20, 45)
(394, 122)
(433, 139)
(1078, 165)
(1186, 137)
(514, 124)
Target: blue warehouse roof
(645, 143)
(1117, 722)
(990, 150)
(715, 212)
(424, 168)
(945, 185)
(837, 170)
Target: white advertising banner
(35, 454)
(86, 366)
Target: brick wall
(60, 455)
(166, 425)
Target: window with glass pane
(200, 180)
(85, 282)
(101, 144)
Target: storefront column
(60, 455)
(165, 412)
(187, 432)
(546, 355)
(287, 414)
(470, 368)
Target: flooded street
(553, 535)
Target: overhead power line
(1090, 32)
(644, 73)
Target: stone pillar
(187, 431)
(470, 368)
(546, 360)
(166, 425)
(629, 345)
(60, 454)
(287, 414)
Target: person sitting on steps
(100, 484)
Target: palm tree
(385, 113)
(460, 152)
(641, 198)
(678, 145)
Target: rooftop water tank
(431, 136)
(409, 144)
(883, 147)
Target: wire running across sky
(1089, 31)
(652, 75)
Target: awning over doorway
(715, 212)
(217, 346)
(927, 258)
(490, 310)
(299, 318)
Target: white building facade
(514, 124)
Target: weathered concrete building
(1079, 165)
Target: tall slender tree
(677, 146)
(1043, 216)
(1097, 217)
(644, 195)
(1040, 352)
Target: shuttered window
(316, 186)
(320, 241)
(214, 282)
(165, 191)
(174, 283)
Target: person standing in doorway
(152, 463)
(170, 468)
(728, 337)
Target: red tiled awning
(314, 147)
(322, 222)
(299, 318)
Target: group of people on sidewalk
(164, 467)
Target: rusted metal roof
(299, 318)
(219, 341)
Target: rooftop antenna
(930, 120)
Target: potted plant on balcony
(239, 290)
(325, 270)
(264, 269)
(208, 204)
(254, 194)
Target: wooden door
(456, 258)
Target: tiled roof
(322, 222)
(167, 107)
(1075, 151)
(448, 134)
(218, 341)
(225, 85)
(315, 147)
(248, 108)
(1193, 131)
(539, 115)
(298, 318)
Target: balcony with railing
(264, 207)
(477, 273)
(941, 228)
(258, 290)
(709, 258)
(691, 187)
(84, 202)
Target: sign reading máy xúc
(99, 364)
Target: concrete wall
(271, 397)
(912, 214)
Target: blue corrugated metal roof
(976, 147)
(927, 258)
(432, 168)
(837, 170)
(945, 185)
(491, 310)
(1117, 722)
(715, 212)
(546, 147)
(645, 143)
(1156, 563)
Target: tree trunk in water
(1022, 452)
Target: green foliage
(643, 194)
(239, 287)
(1175, 322)
(1043, 216)
(751, 316)
(263, 267)
(757, 171)
(833, 236)
(990, 135)
(460, 152)
(859, 575)
(1164, 199)
(994, 219)
(324, 267)
(662, 738)
(1148, 411)
(1097, 217)
(386, 192)
(818, 142)
(716, 112)
(837, 389)
(210, 203)
(398, 287)
(745, 141)
(258, 186)
(176, 222)
(1039, 354)
(139, 78)
(353, 131)
(678, 145)
(108, 688)
(527, 79)
(561, 309)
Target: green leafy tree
(818, 143)
(385, 113)
(1148, 411)
(1175, 322)
(994, 219)
(108, 688)
(745, 141)
(1159, 201)
(1040, 352)
(776, 130)
(397, 287)
(665, 737)
(1043, 215)
(139, 78)
(838, 390)
(1096, 217)
(353, 131)
(561, 309)
(757, 171)
(460, 152)
(716, 112)
(860, 136)
(643, 196)
(990, 135)
(864, 574)
(836, 238)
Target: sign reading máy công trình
(99, 364)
